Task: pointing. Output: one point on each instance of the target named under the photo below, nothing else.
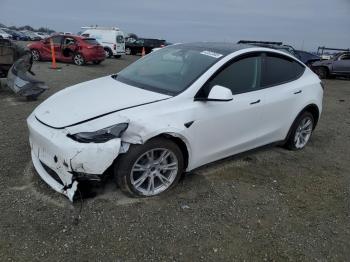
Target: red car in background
(69, 48)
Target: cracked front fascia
(104, 155)
(138, 132)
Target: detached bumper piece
(19, 80)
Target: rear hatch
(93, 44)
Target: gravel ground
(267, 205)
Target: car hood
(90, 100)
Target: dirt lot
(268, 205)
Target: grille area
(52, 173)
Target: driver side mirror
(220, 93)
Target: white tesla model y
(172, 111)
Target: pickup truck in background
(338, 65)
(133, 48)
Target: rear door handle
(297, 92)
(256, 102)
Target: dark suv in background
(133, 48)
(306, 57)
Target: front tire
(301, 131)
(35, 55)
(78, 59)
(149, 169)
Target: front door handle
(256, 102)
(297, 92)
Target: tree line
(29, 28)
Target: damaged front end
(63, 162)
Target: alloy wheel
(78, 59)
(303, 132)
(154, 171)
(35, 55)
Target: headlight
(100, 136)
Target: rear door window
(279, 69)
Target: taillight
(114, 46)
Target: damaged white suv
(170, 112)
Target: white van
(111, 38)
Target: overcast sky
(303, 23)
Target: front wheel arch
(180, 143)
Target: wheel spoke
(170, 166)
(306, 124)
(150, 155)
(150, 188)
(139, 167)
(141, 180)
(163, 179)
(165, 154)
(307, 131)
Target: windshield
(169, 70)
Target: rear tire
(108, 52)
(301, 131)
(149, 169)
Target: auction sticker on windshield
(212, 54)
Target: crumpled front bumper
(57, 158)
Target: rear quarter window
(278, 69)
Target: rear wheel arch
(313, 109)
(325, 73)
